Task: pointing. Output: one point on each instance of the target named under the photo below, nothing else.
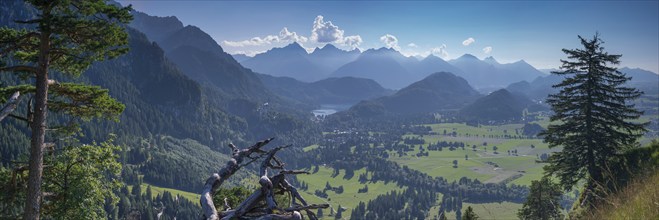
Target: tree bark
(249, 208)
(216, 179)
(11, 105)
(38, 127)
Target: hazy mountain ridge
(345, 90)
(294, 61)
(489, 73)
(438, 91)
(500, 105)
(200, 57)
(539, 88)
(382, 65)
(387, 66)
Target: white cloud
(487, 50)
(322, 32)
(250, 53)
(468, 41)
(284, 36)
(412, 45)
(325, 32)
(390, 41)
(440, 51)
(352, 41)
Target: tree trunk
(38, 127)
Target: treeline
(342, 157)
(134, 203)
(407, 204)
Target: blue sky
(507, 30)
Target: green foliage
(79, 181)
(234, 196)
(12, 193)
(469, 214)
(180, 164)
(77, 32)
(76, 99)
(64, 36)
(543, 202)
(593, 106)
(82, 178)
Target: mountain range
(199, 57)
(539, 88)
(436, 92)
(336, 91)
(387, 66)
(294, 61)
(500, 105)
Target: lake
(328, 109)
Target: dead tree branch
(12, 103)
(251, 207)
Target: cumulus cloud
(487, 50)
(440, 51)
(325, 31)
(284, 36)
(352, 41)
(412, 45)
(390, 41)
(468, 41)
(322, 32)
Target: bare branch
(19, 68)
(10, 106)
(252, 207)
(294, 172)
(307, 207)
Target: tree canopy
(594, 113)
(64, 36)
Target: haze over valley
(328, 110)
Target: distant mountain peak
(467, 56)
(295, 46)
(431, 58)
(521, 62)
(381, 50)
(491, 60)
(329, 47)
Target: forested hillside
(173, 129)
(108, 112)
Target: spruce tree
(65, 36)
(469, 214)
(543, 202)
(591, 116)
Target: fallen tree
(261, 204)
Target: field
(350, 197)
(482, 163)
(504, 210)
(155, 190)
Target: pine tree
(65, 36)
(469, 214)
(593, 109)
(543, 202)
